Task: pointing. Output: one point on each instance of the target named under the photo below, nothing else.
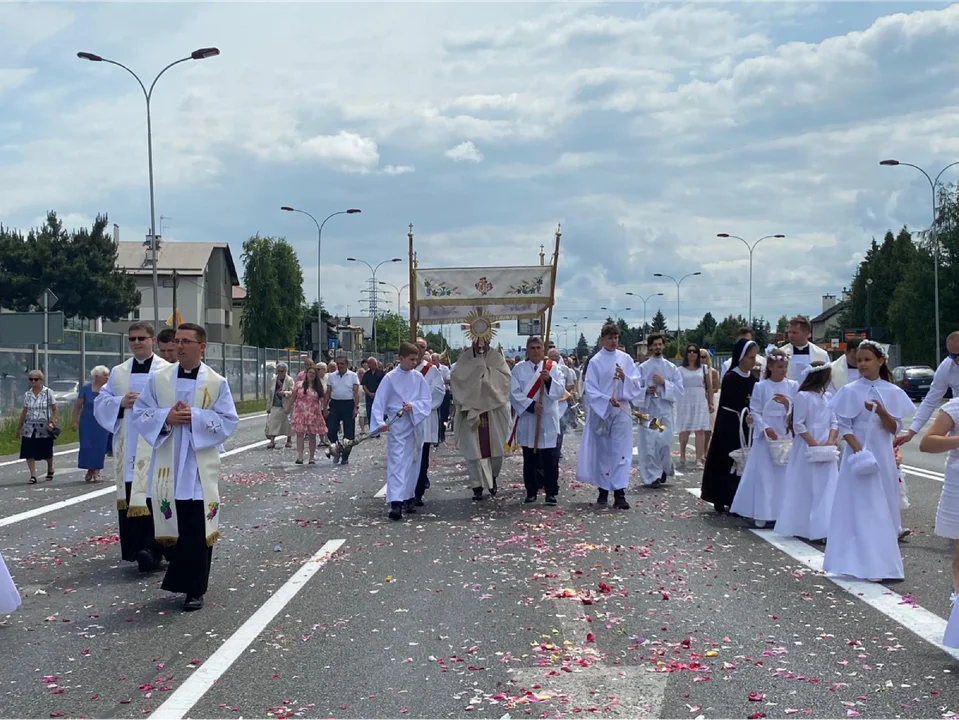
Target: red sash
(426, 368)
(510, 444)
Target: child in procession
(943, 437)
(809, 485)
(402, 390)
(759, 495)
(865, 520)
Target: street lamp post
(565, 331)
(574, 322)
(679, 324)
(319, 247)
(616, 313)
(869, 307)
(201, 54)
(645, 300)
(373, 295)
(933, 184)
(750, 248)
(399, 338)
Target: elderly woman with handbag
(37, 428)
(278, 407)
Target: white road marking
(381, 493)
(203, 678)
(60, 505)
(8, 463)
(923, 473)
(928, 626)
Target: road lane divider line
(381, 493)
(923, 473)
(927, 625)
(8, 463)
(203, 678)
(69, 502)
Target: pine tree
(659, 322)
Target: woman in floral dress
(307, 419)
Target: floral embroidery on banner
(483, 285)
(438, 289)
(528, 287)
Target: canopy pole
(412, 288)
(549, 321)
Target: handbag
(741, 454)
(822, 454)
(55, 431)
(779, 450)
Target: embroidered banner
(445, 295)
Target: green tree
(582, 347)
(273, 310)
(702, 334)
(659, 322)
(726, 332)
(391, 331)
(80, 267)
(762, 332)
(782, 325)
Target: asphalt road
(468, 609)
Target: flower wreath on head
(776, 355)
(875, 346)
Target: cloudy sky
(644, 128)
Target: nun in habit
(720, 480)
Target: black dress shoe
(418, 502)
(493, 490)
(396, 511)
(477, 493)
(410, 507)
(603, 497)
(619, 500)
(550, 499)
(193, 603)
(530, 499)
(145, 561)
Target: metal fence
(248, 370)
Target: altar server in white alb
(662, 385)
(606, 450)
(112, 410)
(759, 495)
(402, 389)
(946, 377)
(538, 385)
(431, 428)
(864, 528)
(812, 472)
(846, 369)
(800, 352)
(185, 412)
(943, 437)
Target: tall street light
(319, 247)
(933, 185)
(616, 313)
(679, 324)
(201, 54)
(645, 300)
(565, 330)
(399, 337)
(574, 322)
(373, 293)
(750, 248)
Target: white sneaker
(951, 637)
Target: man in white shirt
(845, 370)
(343, 401)
(947, 376)
(799, 350)
(431, 426)
(662, 384)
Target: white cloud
(466, 151)
(398, 169)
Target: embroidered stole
(121, 386)
(511, 445)
(207, 460)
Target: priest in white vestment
(480, 382)
(537, 387)
(606, 450)
(402, 389)
(431, 429)
(800, 352)
(185, 412)
(112, 410)
(845, 370)
(662, 384)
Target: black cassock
(719, 481)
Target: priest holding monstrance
(480, 382)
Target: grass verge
(9, 445)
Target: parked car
(64, 391)
(914, 379)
